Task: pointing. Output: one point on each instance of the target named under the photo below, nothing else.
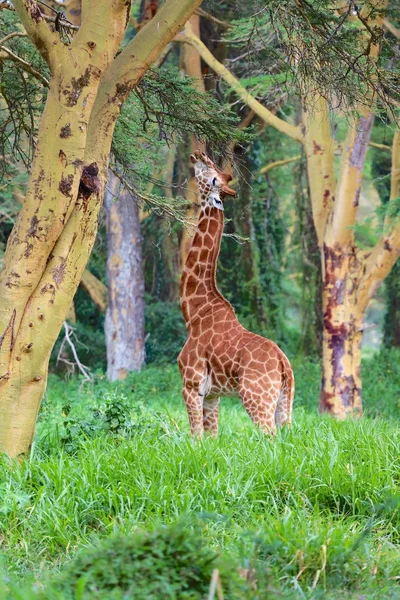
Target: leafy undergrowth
(116, 501)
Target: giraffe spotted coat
(220, 357)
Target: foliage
(22, 98)
(318, 48)
(164, 109)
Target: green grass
(316, 511)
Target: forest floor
(316, 511)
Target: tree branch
(357, 139)
(64, 23)
(279, 163)
(206, 15)
(12, 35)
(266, 115)
(25, 65)
(96, 289)
(47, 42)
(111, 19)
(387, 250)
(391, 28)
(131, 64)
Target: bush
(169, 562)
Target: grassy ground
(316, 511)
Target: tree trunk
(54, 233)
(342, 334)
(243, 217)
(124, 323)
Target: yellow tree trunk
(342, 334)
(56, 228)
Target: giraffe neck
(198, 283)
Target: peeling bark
(343, 317)
(124, 324)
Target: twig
(83, 369)
(26, 66)
(380, 146)
(215, 586)
(11, 35)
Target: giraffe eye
(214, 181)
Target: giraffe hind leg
(210, 415)
(282, 416)
(283, 413)
(261, 407)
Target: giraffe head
(212, 183)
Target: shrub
(169, 562)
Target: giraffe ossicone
(221, 357)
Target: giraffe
(221, 357)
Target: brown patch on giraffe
(208, 241)
(191, 286)
(204, 255)
(327, 193)
(213, 226)
(197, 269)
(203, 224)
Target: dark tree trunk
(252, 296)
(391, 329)
(124, 323)
(312, 288)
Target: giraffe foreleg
(194, 407)
(210, 415)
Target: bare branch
(380, 146)
(96, 290)
(69, 331)
(12, 35)
(279, 163)
(25, 65)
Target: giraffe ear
(193, 158)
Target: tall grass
(317, 509)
